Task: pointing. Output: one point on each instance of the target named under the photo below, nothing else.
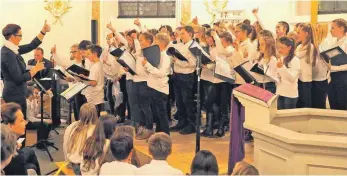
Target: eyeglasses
(72, 52)
(19, 35)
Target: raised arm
(255, 13)
(23, 49)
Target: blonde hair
(243, 168)
(321, 32)
(311, 39)
(163, 38)
(341, 23)
(88, 117)
(270, 47)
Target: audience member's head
(88, 117)
(38, 54)
(204, 163)
(127, 129)
(122, 147)
(160, 146)
(243, 168)
(12, 116)
(8, 145)
(95, 144)
(12, 33)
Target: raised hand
(110, 27)
(137, 22)
(46, 27)
(255, 11)
(54, 49)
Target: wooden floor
(184, 151)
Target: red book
(255, 91)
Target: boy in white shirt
(122, 148)
(94, 93)
(160, 147)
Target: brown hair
(40, 49)
(288, 42)
(9, 30)
(160, 146)
(148, 36)
(341, 23)
(8, 111)
(307, 27)
(226, 36)
(270, 47)
(243, 168)
(8, 142)
(88, 117)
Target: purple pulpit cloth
(236, 145)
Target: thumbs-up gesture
(54, 49)
(110, 27)
(255, 11)
(46, 27)
(137, 22)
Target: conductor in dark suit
(38, 57)
(13, 67)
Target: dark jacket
(14, 72)
(45, 72)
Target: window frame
(144, 16)
(334, 11)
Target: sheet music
(261, 78)
(129, 60)
(223, 69)
(197, 45)
(73, 90)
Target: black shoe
(221, 132)
(189, 129)
(180, 125)
(249, 138)
(208, 132)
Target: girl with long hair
(307, 53)
(288, 74)
(96, 145)
(76, 134)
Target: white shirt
(320, 70)
(342, 43)
(158, 167)
(305, 68)
(287, 86)
(117, 168)
(158, 77)
(95, 94)
(95, 170)
(185, 67)
(110, 66)
(75, 157)
(270, 70)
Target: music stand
(198, 108)
(43, 142)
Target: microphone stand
(43, 142)
(198, 108)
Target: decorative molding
(57, 8)
(186, 11)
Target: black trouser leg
(143, 108)
(99, 108)
(123, 106)
(158, 100)
(109, 96)
(79, 100)
(186, 82)
(181, 109)
(338, 95)
(304, 100)
(319, 94)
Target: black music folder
(244, 73)
(205, 58)
(59, 73)
(152, 54)
(117, 52)
(336, 55)
(128, 61)
(77, 70)
(171, 51)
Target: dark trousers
(142, 108)
(270, 86)
(170, 98)
(158, 104)
(123, 106)
(42, 129)
(217, 94)
(109, 96)
(99, 108)
(131, 100)
(78, 101)
(24, 160)
(338, 94)
(183, 87)
(286, 103)
(319, 94)
(304, 100)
